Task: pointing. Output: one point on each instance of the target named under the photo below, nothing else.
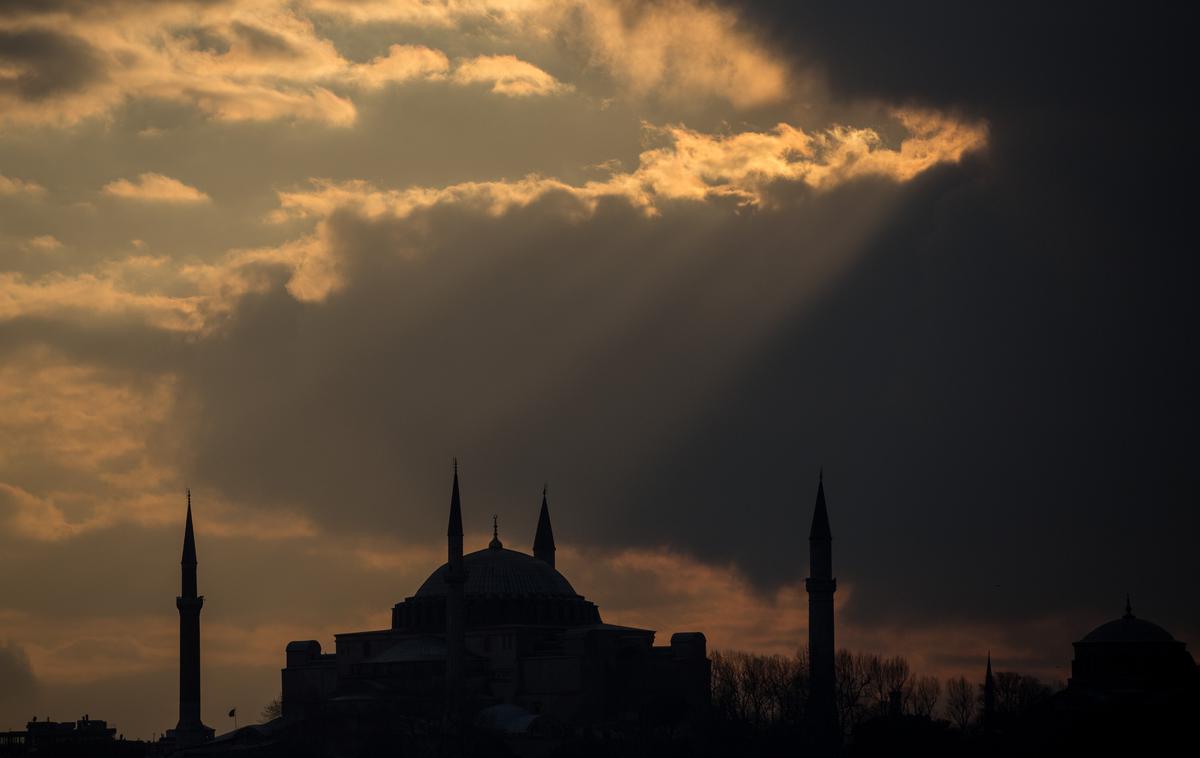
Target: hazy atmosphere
(669, 258)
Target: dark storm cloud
(1001, 390)
(1012, 55)
(47, 63)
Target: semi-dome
(499, 572)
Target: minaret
(989, 696)
(456, 577)
(543, 541)
(821, 585)
(190, 730)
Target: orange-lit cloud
(43, 243)
(401, 64)
(691, 166)
(235, 61)
(507, 75)
(683, 50)
(105, 292)
(154, 188)
(678, 50)
(14, 186)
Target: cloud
(11, 186)
(155, 188)
(238, 61)
(508, 75)
(111, 291)
(253, 61)
(37, 64)
(677, 50)
(691, 166)
(682, 50)
(402, 63)
(44, 243)
(750, 169)
(35, 517)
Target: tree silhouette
(960, 702)
(925, 694)
(273, 709)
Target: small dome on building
(1131, 655)
(1129, 629)
(499, 572)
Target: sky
(670, 258)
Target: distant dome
(1129, 629)
(1130, 657)
(499, 572)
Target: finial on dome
(495, 544)
(1128, 607)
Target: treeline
(768, 694)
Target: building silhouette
(86, 736)
(821, 586)
(190, 730)
(1130, 660)
(497, 638)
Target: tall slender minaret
(989, 696)
(190, 729)
(543, 541)
(456, 577)
(821, 585)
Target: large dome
(498, 572)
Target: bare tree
(1017, 693)
(855, 682)
(925, 693)
(724, 685)
(892, 684)
(273, 709)
(960, 702)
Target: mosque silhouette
(496, 653)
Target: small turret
(543, 540)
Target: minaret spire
(820, 524)
(989, 696)
(543, 540)
(455, 528)
(821, 586)
(188, 562)
(456, 578)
